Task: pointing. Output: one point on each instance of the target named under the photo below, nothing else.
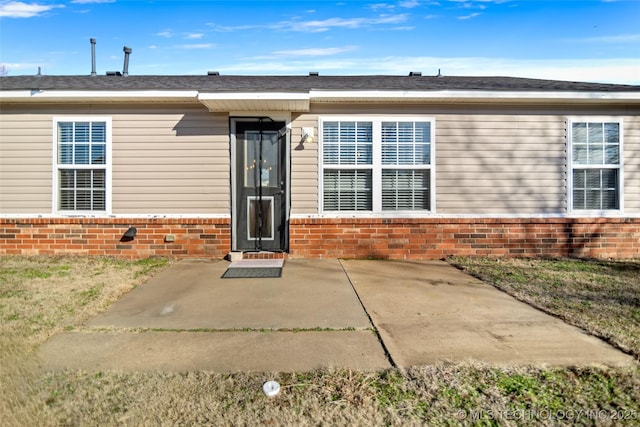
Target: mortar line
(373, 325)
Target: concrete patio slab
(430, 311)
(191, 295)
(319, 314)
(224, 352)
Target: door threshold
(237, 256)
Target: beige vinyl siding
(304, 166)
(165, 160)
(631, 127)
(25, 162)
(500, 164)
(171, 161)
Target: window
(347, 157)
(376, 165)
(596, 165)
(82, 161)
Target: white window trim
(570, 166)
(377, 167)
(107, 166)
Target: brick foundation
(435, 238)
(192, 237)
(431, 238)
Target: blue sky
(595, 40)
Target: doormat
(252, 272)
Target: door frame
(235, 211)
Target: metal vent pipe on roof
(127, 51)
(93, 56)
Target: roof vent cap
(415, 74)
(114, 73)
(213, 73)
(313, 74)
(125, 69)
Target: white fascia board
(470, 95)
(53, 95)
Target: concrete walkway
(360, 315)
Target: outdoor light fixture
(307, 135)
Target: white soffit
(255, 101)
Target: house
(398, 167)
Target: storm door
(260, 190)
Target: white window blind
(405, 145)
(596, 165)
(81, 165)
(347, 190)
(376, 165)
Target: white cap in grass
(271, 388)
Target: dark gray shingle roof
(231, 83)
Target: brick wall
(193, 237)
(431, 238)
(436, 238)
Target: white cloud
(193, 36)
(231, 28)
(165, 33)
(473, 15)
(409, 4)
(92, 1)
(378, 6)
(196, 46)
(351, 23)
(318, 26)
(478, 3)
(620, 38)
(18, 9)
(326, 51)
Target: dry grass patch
(601, 297)
(443, 394)
(40, 296)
